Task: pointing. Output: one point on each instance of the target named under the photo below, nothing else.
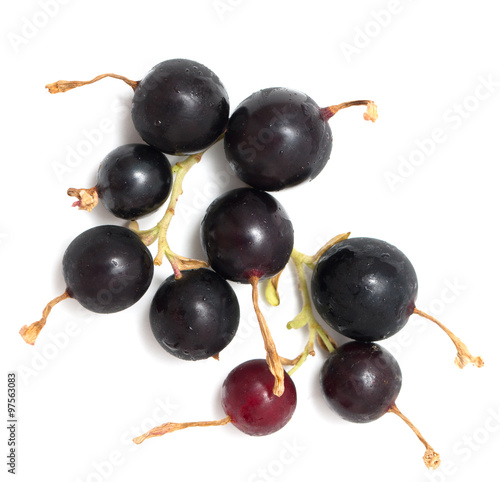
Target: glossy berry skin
(134, 180)
(360, 381)
(107, 269)
(277, 138)
(247, 397)
(194, 317)
(246, 233)
(180, 107)
(364, 288)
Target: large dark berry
(360, 381)
(277, 138)
(196, 316)
(107, 269)
(247, 234)
(364, 288)
(180, 107)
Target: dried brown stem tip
(184, 264)
(464, 356)
(312, 260)
(431, 458)
(87, 198)
(30, 333)
(273, 360)
(173, 427)
(289, 362)
(371, 113)
(65, 85)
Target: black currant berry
(361, 381)
(277, 138)
(196, 316)
(247, 234)
(106, 269)
(364, 288)
(132, 181)
(249, 402)
(180, 107)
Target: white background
(82, 396)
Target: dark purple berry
(196, 316)
(277, 138)
(364, 288)
(134, 180)
(180, 107)
(360, 381)
(107, 269)
(247, 234)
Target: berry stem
(431, 458)
(273, 360)
(311, 261)
(30, 333)
(271, 293)
(148, 236)
(159, 232)
(306, 315)
(178, 262)
(173, 427)
(464, 356)
(371, 113)
(87, 198)
(308, 350)
(65, 85)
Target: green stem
(182, 168)
(308, 350)
(306, 316)
(159, 232)
(148, 236)
(324, 337)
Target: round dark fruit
(364, 288)
(196, 316)
(277, 138)
(134, 180)
(180, 107)
(246, 234)
(107, 269)
(248, 399)
(360, 381)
